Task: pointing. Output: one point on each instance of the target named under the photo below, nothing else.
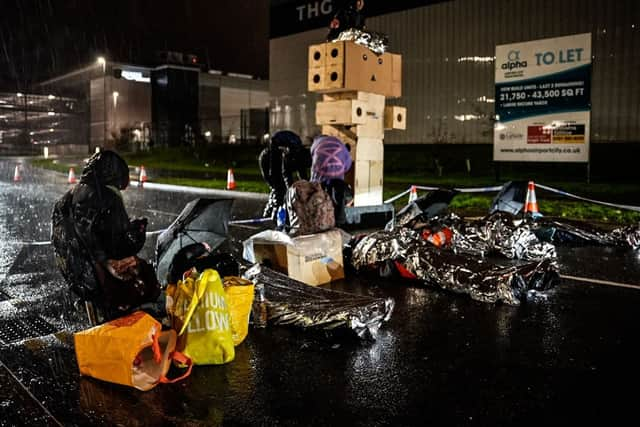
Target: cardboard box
(396, 75)
(368, 172)
(341, 112)
(335, 53)
(346, 134)
(361, 112)
(395, 117)
(333, 78)
(352, 67)
(314, 259)
(317, 53)
(316, 79)
(366, 71)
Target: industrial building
(28, 121)
(448, 56)
(448, 52)
(126, 106)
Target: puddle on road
(32, 258)
(432, 337)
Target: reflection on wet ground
(444, 359)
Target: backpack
(309, 208)
(71, 256)
(341, 195)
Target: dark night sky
(44, 38)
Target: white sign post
(543, 100)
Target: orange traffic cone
(231, 182)
(413, 194)
(16, 174)
(143, 176)
(72, 176)
(531, 203)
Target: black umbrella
(511, 198)
(201, 220)
(425, 207)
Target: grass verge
(251, 186)
(51, 165)
(248, 178)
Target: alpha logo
(513, 61)
(510, 135)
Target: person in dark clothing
(341, 195)
(348, 15)
(284, 157)
(91, 228)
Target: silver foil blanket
(630, 234)
(495, 234)
(481, 280)
(290, 302)
(498, 233)
(580, 233)
(376, 42)
(531, 239)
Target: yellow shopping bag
(239, 293)
(199, 311)
(131, 351)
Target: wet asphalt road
(442, 359)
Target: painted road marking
(26, 389)
(600, 282)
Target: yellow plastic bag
(199, 312)
(131, 351)
(239, 293)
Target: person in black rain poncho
(279, 161)
(96, 243)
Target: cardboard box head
(349, 66)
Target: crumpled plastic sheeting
(630, 234)
(498, 233)
(290, 302)
(481, 280)
(580, 233)
(376, 42)
(531, 239)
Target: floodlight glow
(103, 62)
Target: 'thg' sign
(295, 16)
(543, 100)
(313, 9)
